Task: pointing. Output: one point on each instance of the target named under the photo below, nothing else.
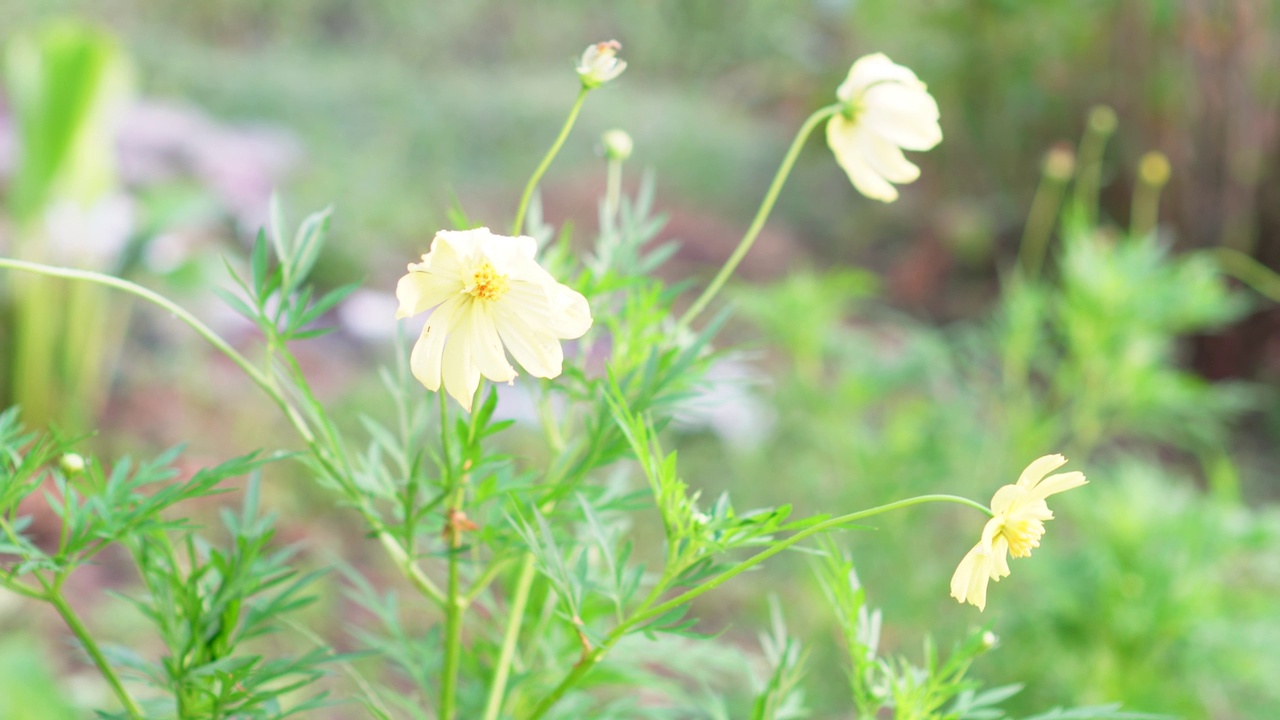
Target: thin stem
(583, 666)
(157, 299)
(263, 381)
(613, 191)
(453, 609)
(517, 227)
(515, 618)
(1249, 271)
(55, 598)
(1040, 221)
(766, 206)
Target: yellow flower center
(1023, 535)
(487, 283)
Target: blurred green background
(930, 372)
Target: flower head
(886, 110)
(1019, 512)
(488, 294)
(617, 145)
(600, 64)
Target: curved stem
(766, 206)
(265, 383)
(1040, 220)
(1249, 271)
(645, 614)
(55, 598)
(517, 227)
(515, 618)
(155, 298)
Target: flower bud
(600, 64)
(617, 145)
(989, 640)
(72, 464)
(1154, 169)
(1102, 119)
(1060, 162)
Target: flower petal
(844, 143)
(886, 159)
(1060, 482)
(905, 116)
(870, 69)
(537, 352)
(969, 582)
(486, 348)
(1038, 468)
(421, 291)
(458, 368)
(425, 359)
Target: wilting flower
(488, 294)
(886, 110)
(600, 64)
(1018, 523)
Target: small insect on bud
(600, 64)
(617, 145)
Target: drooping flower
(600, 64)
(1015, 529)
(487, 293)
(886, 110)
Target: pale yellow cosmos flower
(487, 293)
(1018, 523)
(599, 64)
(886, 110)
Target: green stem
(518, 226)
(583, 666)
(264, 382)
(260, 379)
(766, 206)
(1040, 221)
(1249, 271)
(454, 606)
(515, 618)
(55, 598)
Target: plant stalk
(588, 661)
(517, 227)
(69, 616)
(762, 214)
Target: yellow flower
(1018, 523)
(886, 110)
(488, 294)
(600, 64)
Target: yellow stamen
(487, 283)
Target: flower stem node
(617, 145)
(600, 64)
(1015, 528)
(487, 296)
(886, 109)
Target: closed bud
(1102, 119)
(72, 464)
(1154, 169)
(617, 145)
(1060, 162)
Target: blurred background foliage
(938, 369)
